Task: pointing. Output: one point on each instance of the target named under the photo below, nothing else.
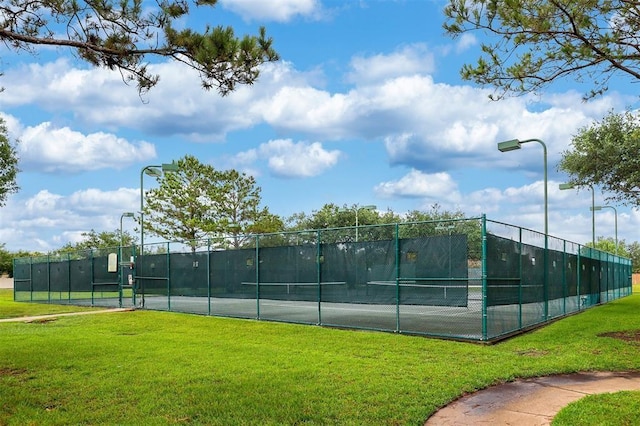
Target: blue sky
(366, 106)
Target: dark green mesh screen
(503, 271)
(40, 277)
(22, 274)
(434, 270)
(188, 274)
(556, 288)
(431, 271)
(532, 274)
(571, 274)
(101, 274)
(404, 277)
(233, 273)
(59, 272)
(80, 276)
(152, 274)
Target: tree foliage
(8, 165)
(121, 35)
(415, 223)
(94, 240)
(199, 202)
(607, 154)
(633, 252)
(6, 261)
(532, 43)
(609, 245)
(333, 216)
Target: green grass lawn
(11, 309)
(618, 408)
(148, 367)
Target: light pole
(123, 215)
(357, 209)
(516, 144)
(564, 186)
(155, 171)
(595, 208)
(120, 262)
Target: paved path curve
(66, 314)
(530, 402)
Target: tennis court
(479, 280)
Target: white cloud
(51, 149)
(437, 124)
(92, 200)
(393, 97)
(56, 83)
(418, 184)
(46, 221)
(291, 160)
(177, 105)
(407, 61)
(274, 10)
(42, 202)
(465, 41)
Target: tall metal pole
(593, 217)
(516, 144)
(356, 209)
(616, 226)
(546, 193)
(615, 220)
(156, 171)
(593, 209)
(153, 170)
(142, 210)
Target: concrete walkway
(530, 402)
(37, 318)
(8, 283)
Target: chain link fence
(470, 279)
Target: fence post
(319, 274)
(69, 276)
(397, 260)
(92, 276)
(520, 269)
(484, 277)
(208, 276)
(579, 278)
(49, 277)
(564, 277)
(546, 277)
(256, 262)
(168, 257)
(31, 278)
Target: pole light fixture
(357, 209)
(564, 186)
(512, 145)
(615, 211)
(153, 171)
(570, 185)
(120, 274)
(123, 215)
